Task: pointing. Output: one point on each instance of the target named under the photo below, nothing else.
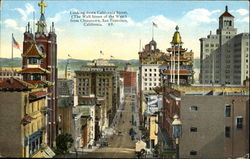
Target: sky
(122, 40)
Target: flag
(111, 56)
(155, 25)
(101, 52)
(15, 43)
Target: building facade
(40, 55)
(7, 72)
(101, 79)
(65, 91)
(224, 56)
(24, 120)
(226, 109)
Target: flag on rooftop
(15, 43)
(101, 52)
(155, 25)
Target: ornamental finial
(42, 5)
(176, 28)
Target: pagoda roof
(14, 84)
(37, 83)
(182, 72)
(176, 49)
(33, 51)
(37, 94)
(35, 70)
(176, 58)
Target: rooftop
(213, 90)
(34, 70)
(14, 84)
(33, 51)
(100, 62)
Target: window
(227, 110)
(193, 129)
(239, 122)
(193, 108)
(146, 70)
(193, 152)
(227, 131)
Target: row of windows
(154, 79)
(150, 84)
(212, 45)
(150, 74)
(150, 70)
(9, 74)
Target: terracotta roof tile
(34, 70)
(226, 14)
(37, 94)
(13, 83)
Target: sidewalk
(85, 149)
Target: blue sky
(195, 19)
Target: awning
(48, 153)
(37, 94)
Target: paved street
(120, 145)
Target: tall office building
(224, 56)
(101, 79)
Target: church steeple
(41, 24)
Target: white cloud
(200, 15)
(25, 13)
(162, 22)
(119, 35)
(58, 16)
(244, 20)
(242, 11)
(13, 24)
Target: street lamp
(177, 132)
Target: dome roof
(177, 37)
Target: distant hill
(74, 64)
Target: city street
(120, 144)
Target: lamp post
(177, 133)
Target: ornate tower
(40, 51)
(181, 62)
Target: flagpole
(152, 32)
(12, 52)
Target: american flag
(111, 56)
(101, 52)
(15, 43)
(155, 25)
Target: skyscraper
(224, 56)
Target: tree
(63, 143)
